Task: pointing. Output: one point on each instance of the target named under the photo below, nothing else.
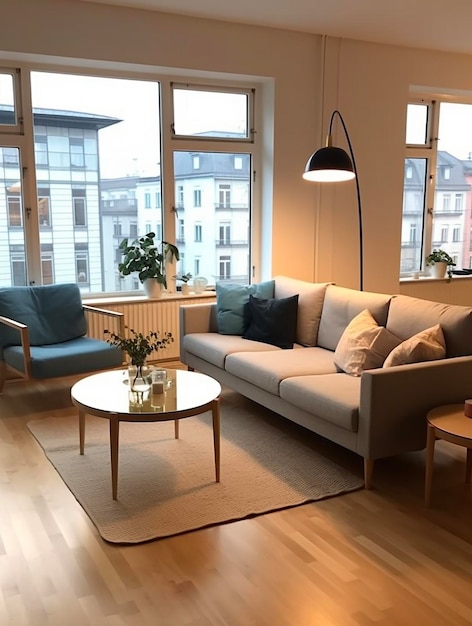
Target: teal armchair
(43, 333)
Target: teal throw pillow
(230, 301)
(271, 321)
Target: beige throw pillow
(427, 345)
(363, 345)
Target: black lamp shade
(329, 164)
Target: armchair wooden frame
(25, 341)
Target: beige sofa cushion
(333, 397)
(310, 305)
(427, 345)
(363, 345)
(341, 305)
(214, 347)
(408, 316)
(266, 370)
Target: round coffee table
(449, 423)
(107, 395)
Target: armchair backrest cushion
(53, 313)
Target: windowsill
(143, 298)
(428, 279)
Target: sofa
(375, 410)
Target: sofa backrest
(408, 316)
(310, 305)
(53, 313)
(341, 305)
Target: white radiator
(145, 316)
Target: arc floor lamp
(330, 165)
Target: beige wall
(314, 230)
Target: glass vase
(139, 377)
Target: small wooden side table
(449, 423)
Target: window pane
(413, 212)
(12, 241)
(213, 236)
(8, 114)
(97, 139)
(417, 124)
(210, 113)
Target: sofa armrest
(394, 402)
(198, 318)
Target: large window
(99, 175)
(437, 197)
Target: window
(14, 211)
(80, 207)
(446, 164)
(224, 196)
(224, 267)
(224, 234)
(99, 162)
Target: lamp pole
(331, 164)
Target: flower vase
(139, 377)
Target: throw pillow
(230, 301)
(363, 345)
(272, 321)
(427, 345)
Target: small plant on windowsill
(442, 259)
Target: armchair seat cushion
(76, 356)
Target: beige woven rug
(166, 486)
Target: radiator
(145, 316)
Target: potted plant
(138, 347)
(146, 258)
(184, 278)
(440, 262)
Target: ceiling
(429, 24)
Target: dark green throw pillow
(271, 321)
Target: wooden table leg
(468, 468)
(431, 440)
(215, 411)
(81, 431)
(176, 429)
(114, 442)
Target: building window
(456, 234)
(196, 267)
(198, 232)
(224, 196)
(79, 203)
(224, 234)
(133, 230)
(158, 200)
(196, 162)
(18, 270)
(148, 227)
(224, 265)
(180, 196)
(197, 198)
(77, 156)
(238, 162)
(446, 201)
(458, 203)
(117, 229)
(147, 200)
(81, 266)
(14, 212)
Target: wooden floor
(370, 557)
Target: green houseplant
(442, 262)
(138, 347)
(148, 259)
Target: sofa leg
(190, 369)
(368, 473)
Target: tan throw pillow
(427, 345)
(363, 345)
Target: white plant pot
(438, 269)
(152, 288)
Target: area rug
(166, 486)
